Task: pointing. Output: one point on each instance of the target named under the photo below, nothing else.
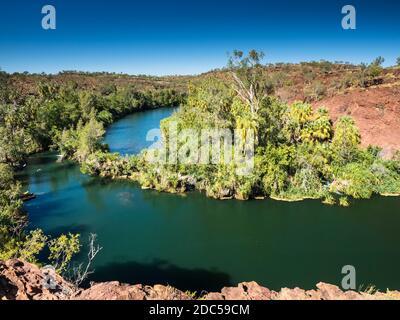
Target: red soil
(376, 111)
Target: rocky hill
(24, 281)
(343, 89)
(376, 111)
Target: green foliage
(344, 202)
(31, 123)
(329, 200)
(398, 61)
(15, 242)
(248, 80)
(299, 153)
(378, 61)
(387, 175)
(72, 121)
(16, 139)
(32, 245)
(105, 117)
(274, 163)
(67, 142)
(12, 218)
(316, 91)
(108, 89)
(308, 73)
(301, 124)
(356, 180)
(346, 141)
(62, 250)
(374, 70)
(89, 137)
(307, 182)
(369, 73)
(347, 81)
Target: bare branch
(81, 274)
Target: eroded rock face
(376, 112)
(24, 281)
(117, 291)
(324, 291)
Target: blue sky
(189, 37)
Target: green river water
(196, 243)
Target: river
(196, 243)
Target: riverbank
(297, 154)
(24, 281)
(193, 248)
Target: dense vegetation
(15, 241)
(299, 153)
(55, 117)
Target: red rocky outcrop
(24, 281)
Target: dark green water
(198, 243)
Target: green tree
(105, 116)
(378, 61)
(89, 138)
(355, 180)
(62, 250)
(12, 219)
(16, 141)
(346, 140)
(32, 245)
(67, 142)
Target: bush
(316, 91)
(106, 117)
(355, 180)
(368, 73)
(346, 140)
(344, 202)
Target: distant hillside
(370, 93)
(27, 83)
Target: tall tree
(246, 72)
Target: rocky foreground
(24, 281)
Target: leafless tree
(80, 273)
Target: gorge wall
(24, 281)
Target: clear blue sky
(188, 37)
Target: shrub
(344, 202)
(346, 140)
(355, 180)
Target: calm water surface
(197, 243)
